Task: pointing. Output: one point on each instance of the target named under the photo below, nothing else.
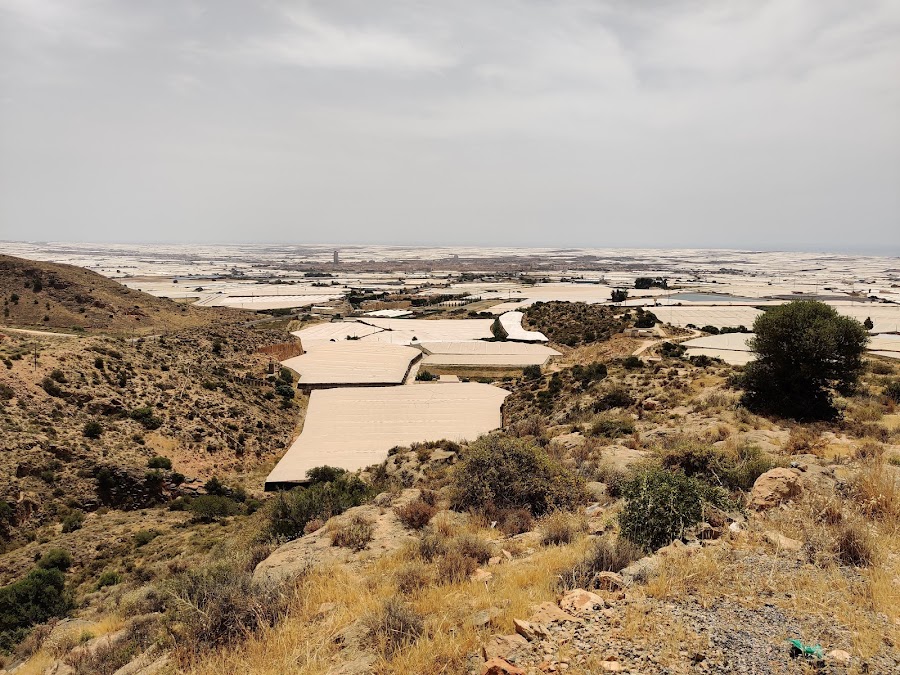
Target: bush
(614, 398)
(412, 577)
(416, 514)
(92, 429)
(220, 605)
(892, 391)
(29, 601)
(144, 537)
(661, 504)
(108, 578)
(560, 528)
(394, 626)
(355, 533)
(291, 511)
(72, 521)
(425, 376)
(286, 391)
(531, 372)
(508, 473)
(855, 545)
(805, 351)
(613, 427)
(514, 521)
(454, 567)
(672, 349)
(211, 508)
(732, 467)
(146, 418)
(608, 555)
(159, 463)
(55, 559)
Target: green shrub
(159, 462)
(805, 351)
(290, 511)
(144, 537)
(661, 504)
(734, 468)
(531, 372)
(146, 418)
(613, 427)
(92, 429)
(72, 521)
(892, 391)
(632, 362)
(55, 559)
(617, 397)
(30, 601)
(108, 578)
(425, 376)
(211, 508)
(508, 473)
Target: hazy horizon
(748, 125)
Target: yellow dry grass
(304, 642)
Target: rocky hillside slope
(49, 295)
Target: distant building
(337, 259)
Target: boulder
(580, 600)
(530, 631)
(547, 612)
(838, 656)
(781, 542)
(504, 646)
(485, 617)
(775, 487)
(500, 666)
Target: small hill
(51, 295)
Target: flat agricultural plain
(355, 427)
(350, 362)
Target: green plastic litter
(809, 651)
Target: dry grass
(876, 488)
(354, 533)
(303, 643)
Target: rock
(500, 666)
(611, 666)
(641, 570)
(610, 581)
(59, 668)
(506, 554)
(735, 528)
(353, 636)
(775, 487)
(494, 560)
(485, 617)
(594, 510)
(295, 557)
(503, 646)
(148, 663)
(547, 612)
(481, 574)
(530, 631)
(364, 664)
(580, 600)
(838, 656)
(779, 541)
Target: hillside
(54, 296)
(539, 548)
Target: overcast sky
(711, 123)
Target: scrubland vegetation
(707, 533)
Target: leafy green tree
(867, 324)
(805, 351)
(619, 295)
